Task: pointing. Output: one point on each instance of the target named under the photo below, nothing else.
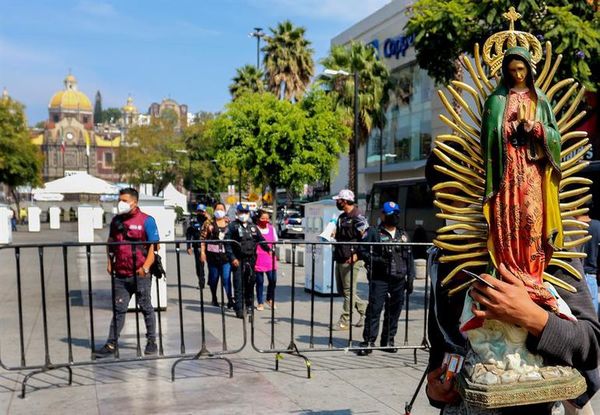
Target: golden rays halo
(463, 239)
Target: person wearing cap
(351, 226)
(391, 271)
(242, 257)
(193, 234)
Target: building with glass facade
(400, 150)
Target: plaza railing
(59, 347)
(41, 304)
(300, 253)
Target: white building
(412, 116)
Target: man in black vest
(242, 256)
(391, 271)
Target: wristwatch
(146, 270)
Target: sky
(187, 50)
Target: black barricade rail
(62, 310)
(314, 331)
(61, 302)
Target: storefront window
(407, 133)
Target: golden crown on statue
(495, 46)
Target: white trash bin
(85, 223)
(5, 225)
(98, 212)
(33, 218)
(54, 213)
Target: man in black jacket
(391, 269)
(242, 256)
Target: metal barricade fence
(319, 334)
(62, 301)
(65, 336)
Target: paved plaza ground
(341, 383)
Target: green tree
(20, 160)
(281, 144)
(153, 155)
(288, 61)
(445, 29)
(111, 115)
(247, 79)
(373, 89)
(203, 173)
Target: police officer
(193, 234)
(391, 271)
(242, 256)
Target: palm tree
(288, 61)
(373, 89)
(246, 79)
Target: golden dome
(70, 98)
(129, 108)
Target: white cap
(345, 194)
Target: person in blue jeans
(214, 254)
(265, 263)
(590, 264)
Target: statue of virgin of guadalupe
(521, 148)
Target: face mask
(263, 223)
(391, 220)
(244, 217)
(339, 205)
(219, 214)
(123, 207)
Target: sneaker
(106, 351)
(260, 307)
(365, 352)
(215, 302)
(361, 321)
(390, 345)
(239, 314)
(271, 305)
(341, 326)
(229, 305)
(150, 348)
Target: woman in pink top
(265, 263)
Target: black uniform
(391, 272)
(248, 236)
(193, 233)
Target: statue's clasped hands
(508, 302)
(522, 117)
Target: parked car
(290, 224)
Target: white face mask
(219, 214)
(123, 207)
(244, 217)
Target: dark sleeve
(112, 229)
(228, 246)
(364, 251)
(572, 343)
(262, 242)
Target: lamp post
(333, 72)
(258, 34)
(187, 153)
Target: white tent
(81, 183)
(173, 197)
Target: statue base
(521, 393)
